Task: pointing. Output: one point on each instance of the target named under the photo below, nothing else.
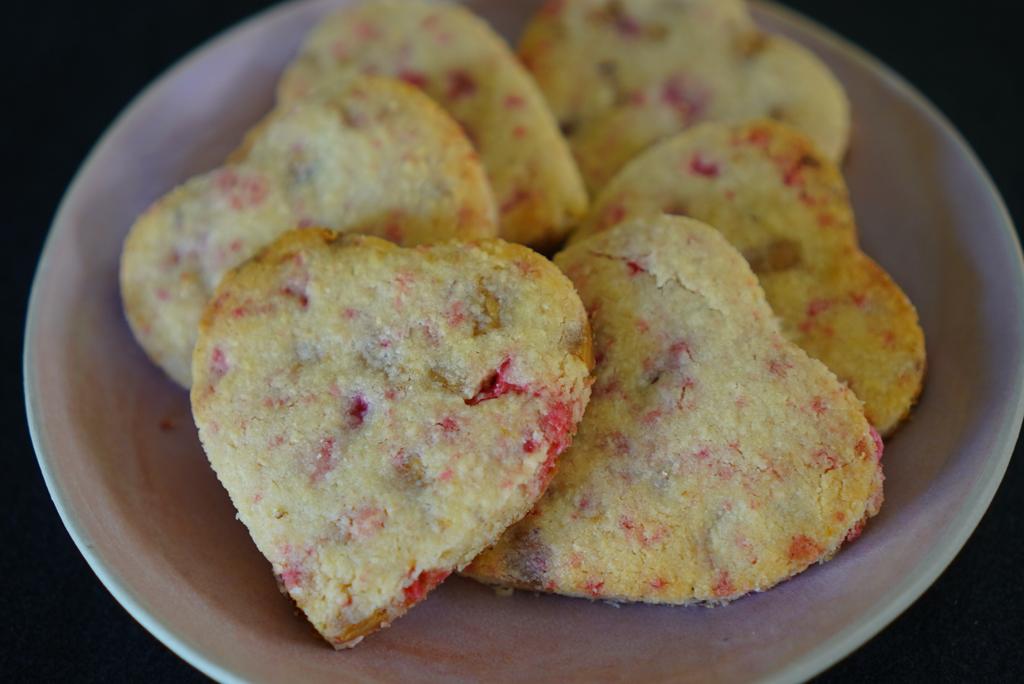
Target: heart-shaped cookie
(457, 59)
(380, 414)
(370, 155)
(622, 74)
(715, 458)
(784, 205)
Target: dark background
(70, 67)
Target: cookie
(715, 458)
(381, 414)
(784, 205)
(459, 61)
(622, 74)
(370, 155)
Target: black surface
(69, 68)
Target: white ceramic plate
(119, 453)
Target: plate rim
(978, 500)
(811, 663)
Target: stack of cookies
(683, 406)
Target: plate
(120, 456)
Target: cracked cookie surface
(381, 414)
(784, 205)
(366, 155)
(715, 458)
